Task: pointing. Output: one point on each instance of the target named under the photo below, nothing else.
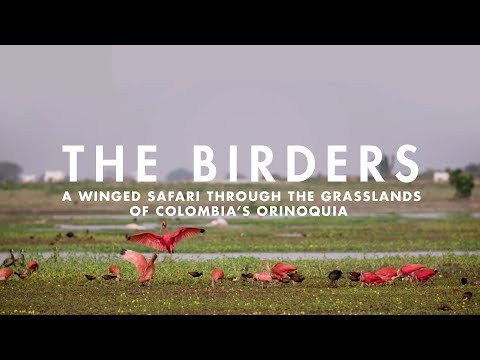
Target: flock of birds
(282, 273)
(18, 266)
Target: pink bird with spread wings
(165, 242)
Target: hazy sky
(179, 96)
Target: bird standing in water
(165, 242)
(10, 260)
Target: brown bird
(21, 275)
(334, 275)
(354, 276)
(195, 273)
(467, 295)
(445, 308)
(232, 278)
(109, 276)
(21, 260)
(217, 275)
(285, 279)
(246, 275)
(10, 260)
(90, 277)
(296, 277)
(464, 281)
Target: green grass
(61, 288)
(362, 234)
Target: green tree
(9, 171)
(463, 182)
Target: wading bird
(334, 275)
(262, 277)
(90, 277)
(370, 278)
(32, 266)
(114, 270)
(217, 275)
(467, 295)
(5, 273)
(21, 275)
(21, 260)
(354, 276)
(195, 273)
(280, 269)
(424, 275)
(388, 273)
(464, 281)
(296, 277)
(109, 276)
(409, 269)
(10, 260)
(146, 269)
(165, 242)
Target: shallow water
(271, 255)
(419, 215)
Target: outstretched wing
(184, 232)
(149, 239)
(136, 259)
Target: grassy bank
(361, 234)
(61, 288)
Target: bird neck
(165, 230)
(267, 266)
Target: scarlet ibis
(464, 281)
(409, 269)
(217, 275)
(146, 269)
(262, 277)
(5, 273)
(467, 295)
(10, 260)
(424, 275)
(388, 273)
(354, 276)
(90, 277)
(195, 273)
(114, 270)
(109, 276)
(165, 242)
(280, 269)
(334, 275)
(32, 266)
(370, 278)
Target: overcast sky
(179, 96)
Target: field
(33, 218)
